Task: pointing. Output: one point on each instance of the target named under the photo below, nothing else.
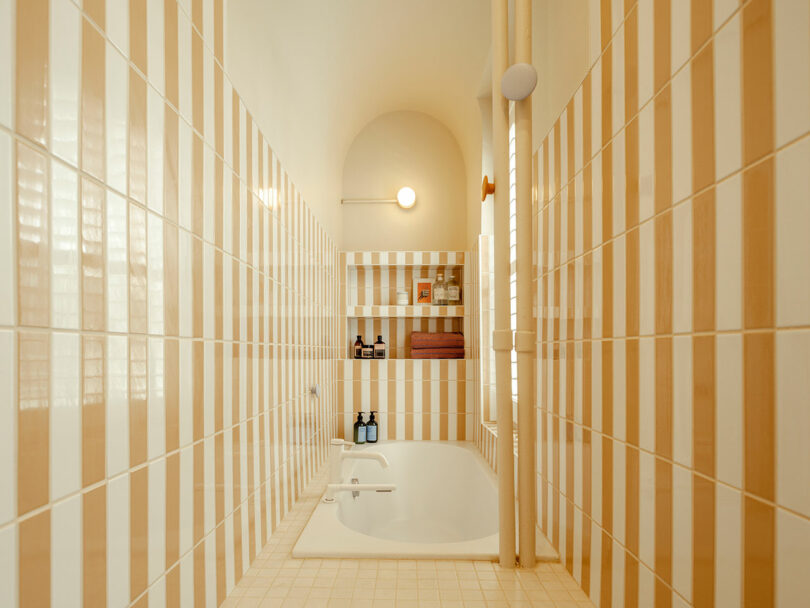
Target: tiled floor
(276, 579)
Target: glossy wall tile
(171, 299)
(672, 307)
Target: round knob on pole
(487, 187)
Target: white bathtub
(445, 506)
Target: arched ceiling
(314, 72)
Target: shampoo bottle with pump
(371, 429)
(359, 429)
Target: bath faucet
(334, 488)
(337, 455)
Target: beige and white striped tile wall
(417, 399)
(168, 299)
(673, 285)
(481, 312)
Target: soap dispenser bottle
(371, 429)
(358, 348)
(359, 429)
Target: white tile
(7, 227)
(227, 132)
(117, 28)
(208, 22)
(8, 428)
(792, 228)
(209, 380)
(619, 184)
(596, 201)
(682, 268)
(186, 404)
(728, 547)
(722, 9)
(646, 163)
(578, 160)
(184, 64)
(617, 85)
(155, 114)
(646, 289)
(681, 133)
(155, 41)
(729, 400)
(619, 490)
(727, 99)
(208, 95)
(210, 219)
(8, 565)
(596, 111)
(117, 414)
(186, 498)
(646, 27)
(646, 393)
(793, 420)
(65, 284)
(117, 244)
(7, 25)
(187, 577)
(115, 113)
(209, 511)
(157, 594)
(791, 57)
(619, 286)
(594, 30)
(211, 567)
(617, 567)
(156, 555)
(646, 511)
(184, 159)
(154, 272)
(118, 541)
(682, 399)
(682, 531)
(65, 415)
(186, 287)
(680, 32)
(792, 560)
(67, 553)
(728, 251)
(646, 587)
(596, 386)
(63, 83)
(156, 417)
(209, 297)
(596, 561)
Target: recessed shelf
(404, 258)
(421, 310)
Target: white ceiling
(314, 72)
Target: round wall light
(406, 197)
(519, 81)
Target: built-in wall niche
(371, 282)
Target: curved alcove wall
(405, 149)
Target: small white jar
(402, 298)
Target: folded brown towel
(445, 339)
(437, 353)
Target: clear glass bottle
(453, 292)
(439, 291)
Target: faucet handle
(341, 442)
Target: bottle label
(452, 293)
(379, 351)
(361, 434)
(371, 433)
(439, 293)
